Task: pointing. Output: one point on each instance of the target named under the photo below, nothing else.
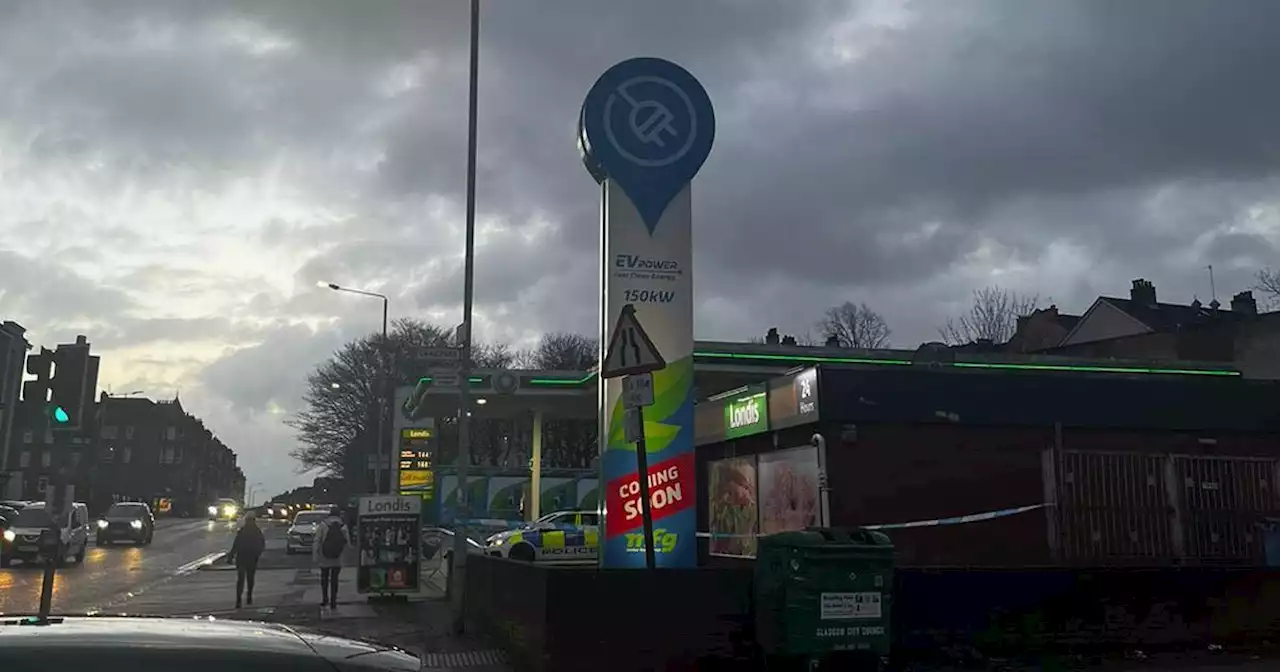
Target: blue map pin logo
(649, 125)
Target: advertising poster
(420, 482)
(588, 494)
(448, 497)
(647, 258)
(388, 540)
(506, 497)
(558, 494)
(732, 510)
(788, 490)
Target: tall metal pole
(383, 385)
(458, 571)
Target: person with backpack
(330, 543)
(245, 551)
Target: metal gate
(1223, 502)
(1135, 508)
(1114, 508)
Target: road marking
(200, 562)
(443, 661)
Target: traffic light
(75, 376)
(38, 365)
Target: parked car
(127, 521)
(25, 530)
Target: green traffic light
(60, 415)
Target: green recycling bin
(823, 590)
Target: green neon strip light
(473, 380)
(826, 359)
(562, 381)
(1094, 369)
(817, 359)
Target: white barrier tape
(508, 524)
(957, 520)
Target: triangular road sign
(630, 350)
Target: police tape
(936, 522)
(503, 524)
(500, 523)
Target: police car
(561, 538)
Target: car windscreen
(127, 510)
(309, 518)
(32, 517)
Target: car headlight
(229, 511)
(135, 524)
(498, 541)
(9, 535)
(102, 524)
(213, 510)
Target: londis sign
(746, 414)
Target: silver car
(303, 531)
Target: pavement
(182, 574)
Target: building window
(42, 484)
(109, 454)
(46, 458)
(28, 436)
(166, 455)
(110, 432)
(128, 432)
(24, 459)
(75, 459)
(127, 456)
(177, 455)
(48, 436)
(171, 433)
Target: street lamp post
(458, 570)
(382, 385)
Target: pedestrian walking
(245, 551)
(331, 541)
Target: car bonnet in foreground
(188, 644)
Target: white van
(26, 527)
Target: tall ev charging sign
(645, 129)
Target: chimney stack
(1244, 303)
(771, 338)
(788, 340)
(833, 341)
(1143, 293)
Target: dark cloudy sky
(176, 175)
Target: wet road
(113, 574)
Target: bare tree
(342, 399)
(494, 356)
(993, 316)
(563, 351)
(1269, 285)
(854, 326)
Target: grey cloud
(45, 293)
(1137, 136)
(272, 371)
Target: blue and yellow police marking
(557, 539)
